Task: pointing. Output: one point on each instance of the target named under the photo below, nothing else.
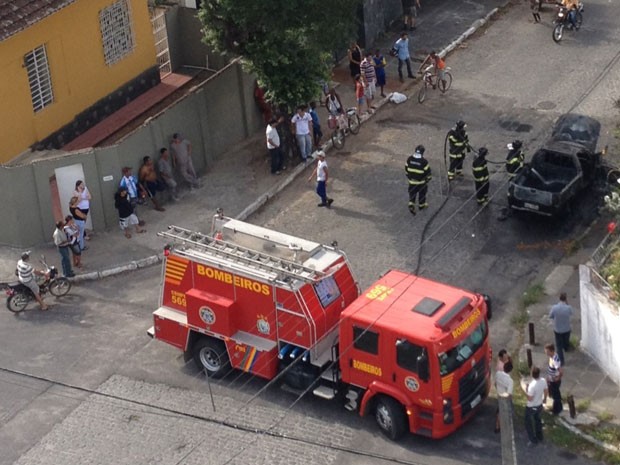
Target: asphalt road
(510, 81)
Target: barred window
(115, 23)
(39, 78)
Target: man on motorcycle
(571, 6)
(26, 273)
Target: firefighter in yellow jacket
(481, 176)
(418, 174)
(459, 143)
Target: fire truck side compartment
(211, 312)
(171, 326)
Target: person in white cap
(514, 159)
(321, 179)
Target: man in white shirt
(62, 243)
(26, 275)
(536, 392)
(302, 128)
(321, 180)
(273, 145)
(504, 385)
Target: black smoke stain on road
(515, 126)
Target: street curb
(474, 27)
(587, 437)
(131, 266)
(275, 190)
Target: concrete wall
(600, 325)
(185, 41)
(215, 116)
(377, 15)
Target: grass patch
(520, 318)
(583, 405)
(556, 433)
(608, 434)
(532, 295)
(605, 416)
(574, 342)
(523, 370)
(572, 247)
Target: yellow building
(64, 58)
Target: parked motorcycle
(562, 21)
(19, 296)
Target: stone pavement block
(555, 282)
(105, 430)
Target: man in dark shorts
(150, 183)
(410, 9)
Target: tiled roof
(17, 15)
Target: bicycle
(430, 79)
(348, 121)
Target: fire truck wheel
(390, 417)
(210, 355)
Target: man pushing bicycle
(439, 67)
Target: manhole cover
(546, 105)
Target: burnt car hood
(577, 129)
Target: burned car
(564, 166)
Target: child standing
(380, 64)
(360, 90)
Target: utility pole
(509, 450)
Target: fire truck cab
(416, 353)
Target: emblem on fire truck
(262, 325)
(207, 315)
(412, 384)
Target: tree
(286, 44)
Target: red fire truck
(411, 351)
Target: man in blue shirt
(401, 47)
(560, 313)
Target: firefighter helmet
(517, 144)
(482, 152)
(460, 124)
(420, 149)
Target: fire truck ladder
(283, 268)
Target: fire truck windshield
(458, 355)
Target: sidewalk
(240, 183)
(583, 379)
